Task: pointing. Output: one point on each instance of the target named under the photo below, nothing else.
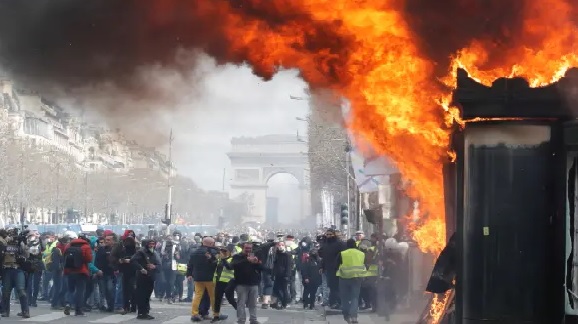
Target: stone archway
(255, 160)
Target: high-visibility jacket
(47, 254)
(226, 274)
(238, 249)
(372, 270)
(352, 264)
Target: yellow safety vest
(182, 269)
(357, 243)
(352, 264)
(47, 255)
(226, 274)
(238, 249)
(372, 271)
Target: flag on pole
(371, 172)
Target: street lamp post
(21, 191)
(86, 196)
(56, 220)
(168, 216)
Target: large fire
(394, 60)
(366, 51)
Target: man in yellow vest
(224, 279)
(359, 235)
(351, 273)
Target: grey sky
(205, 105)
(230, 101)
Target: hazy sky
(231, 102)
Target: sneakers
(67, 309)
(196, 318)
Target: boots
(24, 306)
(5, 306)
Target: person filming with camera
(16, 254)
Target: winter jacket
(123, 251)
(102, 260)
(57, 257)
(200, 267)
(143, 257)
(86, 255)
(91, 266)
(283, 265)
(310, 270)
(329, 253)
(168, 250)
(246, 273)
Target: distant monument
(255, 160)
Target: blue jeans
(59, 289)
(107, 289)
(46, 277)
(76, 288)
(169, 276)
(33, 286)
(324, 289)
(349, 293)
(118, 302)
(190, 289)
(267, 282)
(14, 279)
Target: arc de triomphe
(255, 160)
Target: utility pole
(56, 219)
(21, 193)
(86, 197)
(107, 202)
(168, 216)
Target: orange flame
(371, 52)
(438, 306)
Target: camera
(19, 236)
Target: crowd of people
(79, 273)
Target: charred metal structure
(511, 199)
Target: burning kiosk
(510, 200)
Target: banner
(371, 173)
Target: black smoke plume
(80, 42)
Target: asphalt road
(163, 313)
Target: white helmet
(71, 235)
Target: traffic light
(168, 212)
(344, 214)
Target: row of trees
(47, 184)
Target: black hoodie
(143, 257)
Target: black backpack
(73, 258)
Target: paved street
(163, 313)
(180, 313)
(335, 317)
